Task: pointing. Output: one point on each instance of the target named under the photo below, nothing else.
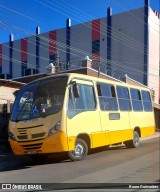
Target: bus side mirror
(75, 90)
(15, 93)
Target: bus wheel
(80, 151)
(135, 142)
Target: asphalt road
(101, 166)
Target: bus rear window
(136, 100)
(146, 101)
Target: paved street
(115, 165)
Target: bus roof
(96, 79)
(91, 78)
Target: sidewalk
(157, 134)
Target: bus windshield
(40, 98)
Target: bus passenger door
(114, 122)
(110, 122)
(82, 114)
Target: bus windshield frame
(40, 98)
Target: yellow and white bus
(74, 113)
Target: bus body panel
(52, 144)
(34, 128)
(84, 122)
(144, 121)
(146, 131)
(118, 128)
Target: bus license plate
(31, 152)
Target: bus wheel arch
(134, 143)
(86, 138)
(82, 145)
(137, 129)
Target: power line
(134, 15)
(133, 70)
(90, 27)
(81, 51)
(105, 34)
(74, 49)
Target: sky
(26, 15)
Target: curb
(156, 135)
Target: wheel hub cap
(79, 150)
(136, 139)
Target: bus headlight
(11, 136)
(55, 128)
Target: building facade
(124, 43)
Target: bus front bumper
(52, 144)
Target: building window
(30, 71)
(23, 67)
(146, 101)
(95, 46)
(123, 98)
(51, 58)
(136, 100)
(107, 97)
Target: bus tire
(80, 151)
(134, 143)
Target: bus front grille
(38, 135)
(32, 146)
(31, 133)
(37, 126)
(22, 137)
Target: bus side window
(85, 101)
(146, 101)
(107, 97)
(136, 99)
(124, 98)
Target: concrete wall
(103, 40)
(128, 43)
(5, 58)
(81, 38)
(31, 62)
(16, 72)
(157, 117)
(6, 101)
(61, 43)
(154, 53)
(43, 51)
(6, 93)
